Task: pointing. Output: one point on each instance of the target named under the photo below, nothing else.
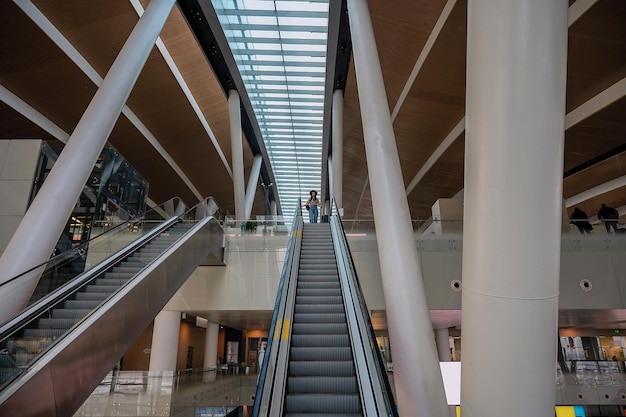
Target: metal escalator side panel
(373, 384)
(322, 376)
(71, 369)
(272, 370)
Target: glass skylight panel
(280, 49)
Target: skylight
(280, 49)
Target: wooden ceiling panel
(600, 133)
(401, 28)
(596, 51)
(444, 180)
(97, 29)
(164, 182)
(595, 175)
(15, 126)
(34, 69)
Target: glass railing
(197, 392)
(25, 338)
(63, 267)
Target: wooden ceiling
(436, 102)
(42, 75)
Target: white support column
(337, 161)
(44, 221)
(210, 345)
(236, 150)
(274, 211)
(419, 386)
(443, 345)
(253, 181)
(164, 349)
(516, 71)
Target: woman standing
(312, 205)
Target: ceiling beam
(188, 94)
(205, 25)
(606, 187)
(57, 37)
(577, 9)
(596, 103)
(32, 114)
(428, 46)
(602, 100)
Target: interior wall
(18, 161)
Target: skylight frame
(280, 50)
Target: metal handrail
(33, 312)
(367, 334)
(276, 328)
(80, 249)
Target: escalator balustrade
(321, 377)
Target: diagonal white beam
(190, 97)
(32, 114)
(443, 146)
(577, 9)
(430, 42)
(57, 37)
(428, 46)
(606, 187)
(596, 103)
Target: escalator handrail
(360, 306)
(78, 250)
(33, 311)
(281, 295)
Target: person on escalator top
(312, 205)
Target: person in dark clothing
(609, 216)
(579, 219)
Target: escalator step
(112, 282)
(119, 275)
(81, 304)
(320, 354)
(318, 292)
(99, 288)
(321, 368)
(322, 384)
(322, 403)
(319, 318)
(47, 333)
(47, 323)
(126, 269)
(323, 415)
(91, 296)
(320, 340)
(320, 278)
(319, 308)
(318, 284)
(319, 300)
(68, 313)
(317, 272)
(320, 328)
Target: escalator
(321, 377)
(61, 346)
(322, 359)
